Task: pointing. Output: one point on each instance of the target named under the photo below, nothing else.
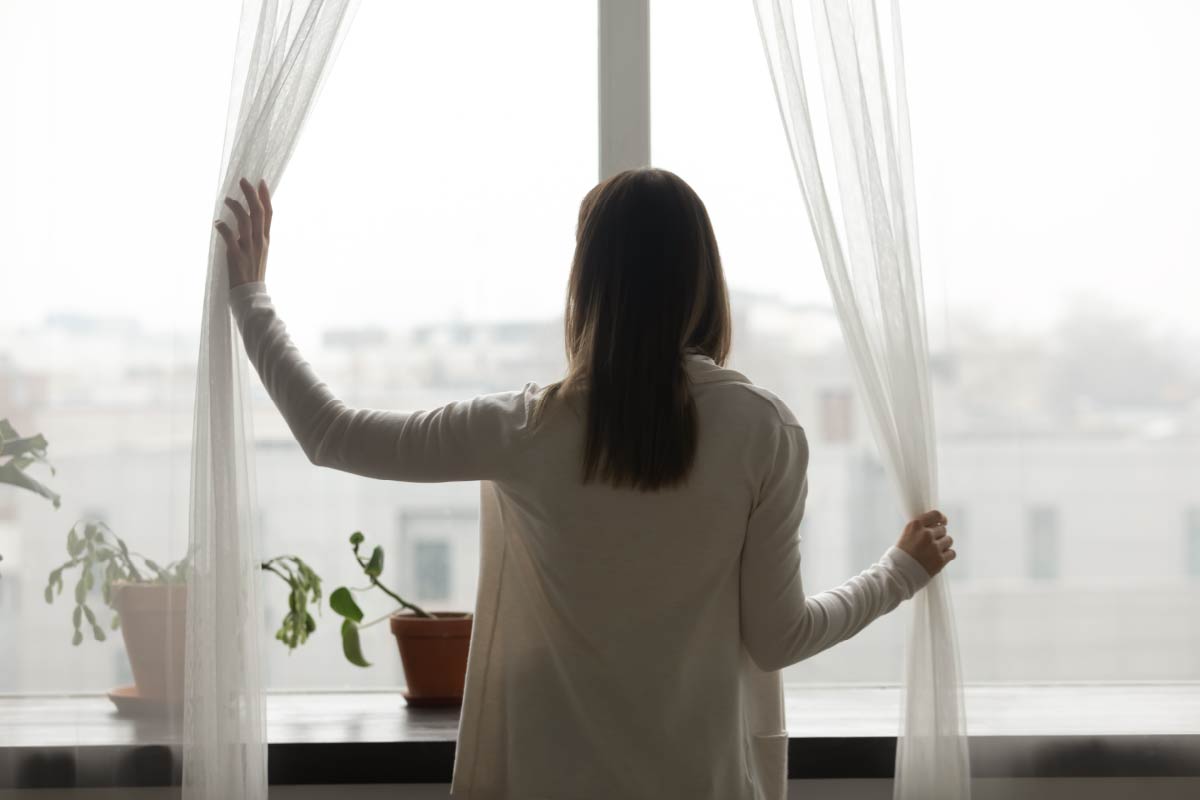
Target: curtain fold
(872, 263)
(284, 50)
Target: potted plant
(433, 646)
(148, 603)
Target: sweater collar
(702, 369)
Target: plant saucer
(430, 702)
(130, 703)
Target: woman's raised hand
(926, 540)
(246, 251)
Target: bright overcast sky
(439, 175)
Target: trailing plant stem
(420, 612)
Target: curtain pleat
(284, 50)
(872, 263)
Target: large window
(421, 243)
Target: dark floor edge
(433, 762)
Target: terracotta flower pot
(153, 623)
(434, 654)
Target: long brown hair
(646, 286)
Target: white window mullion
(624, 72)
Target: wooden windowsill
(1111, 730)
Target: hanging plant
(304, 587)
(18, 452)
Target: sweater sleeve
(467, 440)
(780, 625)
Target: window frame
(623, 74)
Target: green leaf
(301, 582)
(77, 639)
(374, 567)
(20, 445)
(310, 624)
(102, 559)
(351, 646)
(342, 602)
(11, 474)
(23, 462)
(356, 537)
(74, 544)
(310, 579)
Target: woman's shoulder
(782, 412)
(751, 402)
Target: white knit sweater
(625, 644)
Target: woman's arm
(780, 625)
(470, 440)
(477, 439)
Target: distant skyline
(1029, 451)
(1053, 159)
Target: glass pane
(1056, 232)
(109, 170)
(432, 563)
(1043, 543)
(421, 243)
(1191, 541)
(421, 246)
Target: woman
(640, 580)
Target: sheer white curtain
(284, 49)
(872, 263)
